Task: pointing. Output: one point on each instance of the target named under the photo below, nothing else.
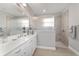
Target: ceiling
(37, 8)
(10, 9)
(47, 8)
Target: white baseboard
(75, 51)
(44, 47)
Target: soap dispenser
(30, 31)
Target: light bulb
(44, 10)
(24, 4)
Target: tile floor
(61, 50)
(58, 52)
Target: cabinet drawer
(16, 52)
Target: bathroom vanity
(19, 45)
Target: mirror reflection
(13, 20)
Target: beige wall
(61, 27)
(36, 22)
(58, 27)
(74, 21)
(64, 27)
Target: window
(25, 23)
(48, 22)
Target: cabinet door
(30, 49)
(27, 48)
(25, 51)
(34, 44)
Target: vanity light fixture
(24, 4)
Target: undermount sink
(22, 35)
(12, 38)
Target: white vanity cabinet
(25, 49)
(15, 52)
(34, 44)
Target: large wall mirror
(18, 25)
(12, 20)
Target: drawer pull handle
(18, 51)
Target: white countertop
(11, 45)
